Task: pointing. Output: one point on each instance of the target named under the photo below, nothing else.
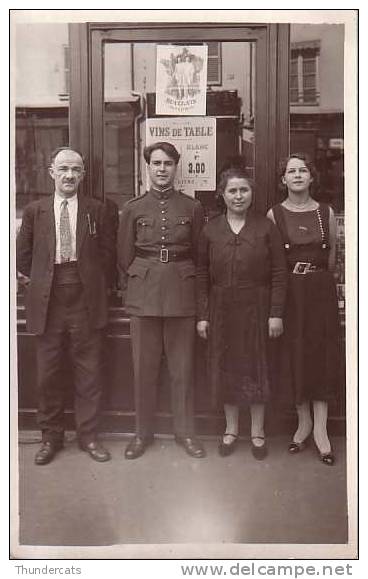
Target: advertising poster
(195, 139)
(181, 80)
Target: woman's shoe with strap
(259, 452)
(227, 448)
(296, 447)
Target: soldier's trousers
(175, 337)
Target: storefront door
(113, 83)
(128, 84)
(117, 73)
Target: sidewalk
(168, 497)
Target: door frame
(271, 100)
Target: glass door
(135, 73)
(243, 116)
(132, 83)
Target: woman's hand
(275, 327)
(202, 329)
(24, 280)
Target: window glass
(130, 101)
(42, 106)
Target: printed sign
(181, 80)
(195, 139)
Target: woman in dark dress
(241, 293)
(309, 348)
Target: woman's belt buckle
(302, 267)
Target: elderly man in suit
(64, 253)
(157, 243)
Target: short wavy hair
(303, 157)
(167, 148)
(230, 172)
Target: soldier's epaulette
(133, 199)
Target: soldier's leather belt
(164, 255)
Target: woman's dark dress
(308, 368)
(241, 283)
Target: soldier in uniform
(157, 242)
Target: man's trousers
(67, 329)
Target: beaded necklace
(323, 235)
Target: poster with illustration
(195, 139)
(181, 80)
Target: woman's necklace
(310, 203)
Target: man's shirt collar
(59, 199)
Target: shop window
(304, 81)
(64, 95)
(38, 132)
(214, 64)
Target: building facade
(94, 86)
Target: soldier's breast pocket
(183, 228)
(144, 229)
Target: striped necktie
(65, 234)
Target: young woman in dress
(309, 353)
(242, 280)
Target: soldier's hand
(202, 329)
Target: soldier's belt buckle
(164, 255)
(302, 267)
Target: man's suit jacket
(36, 244)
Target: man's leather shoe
(137, 447)
(191, 446)
(96, 450)
(47, 452)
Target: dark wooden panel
(79, 107)
(282, 95)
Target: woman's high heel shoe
(296, 447)
(327, 458)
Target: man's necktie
(65, 234)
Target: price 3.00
(196, 168)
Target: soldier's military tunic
(157, 242)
